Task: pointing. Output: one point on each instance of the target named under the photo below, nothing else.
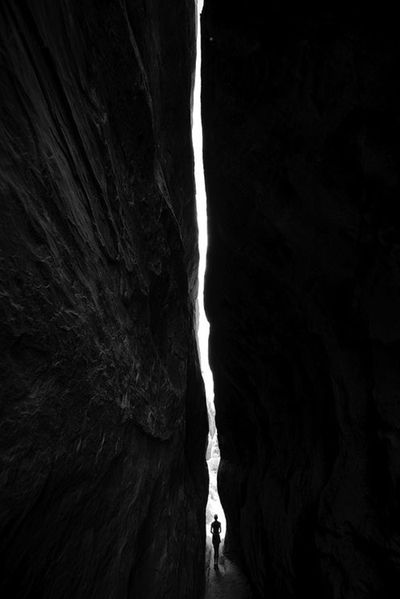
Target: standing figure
(216, 539)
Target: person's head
(215, 517)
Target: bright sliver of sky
(204, 327)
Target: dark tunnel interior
(103, 416)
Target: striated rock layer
(302, 156)
(103, 422)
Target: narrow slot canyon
(109, 454)
(223, 578)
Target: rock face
(302, 151)
(103, 423)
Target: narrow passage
(226, 581)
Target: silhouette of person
(216, 539)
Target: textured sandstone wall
(302, 157)
(103, 421)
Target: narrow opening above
(213, 455)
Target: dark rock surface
(302, 157)
(103, 422)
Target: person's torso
(215, 527)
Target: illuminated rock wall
(103, 421)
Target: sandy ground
(226, 581)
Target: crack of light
(201, 203)
(214, 504)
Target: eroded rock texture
(103, 422)
(302, 152)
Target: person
(216, 539)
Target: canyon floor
(225, 582)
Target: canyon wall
(302, 155)
(103, 423)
